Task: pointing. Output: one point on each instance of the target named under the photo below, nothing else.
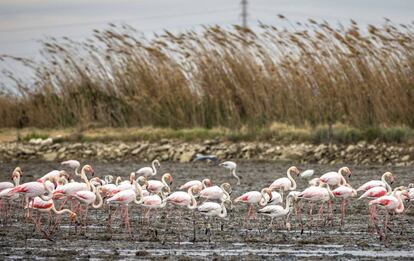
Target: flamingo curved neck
(139, 192)
(98, 197)
(59, 212)
(263, 201)
(226, 194)
(387, 186)
(85, 179)
(233, 172)
(165, 184)
(77, 171)
(17, 180)
(293, 182)
(154, 169)
(343, 180)
(223, 212)
(331, 195)
(193, 203)
(400, 207)
(118, 180)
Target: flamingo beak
(350, 174)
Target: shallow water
(169, 236)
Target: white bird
(333, 178)
(275, 211)
(285, 184)
(149, 171)
(201, 184)
(213, 209)
(73, 164)
(307, 174)
(231, 165)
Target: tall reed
(316, 74)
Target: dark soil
(168, 236)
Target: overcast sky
(23, 22)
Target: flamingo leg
(386, 222)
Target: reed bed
(313, 75)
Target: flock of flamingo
(57, 193)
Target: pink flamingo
(69, 189)
(187, 199)
(4, 194)
(344, 192)
(88, 198)
(53, 175)
(154, 202)
(375, 189)
(386, 177)
(201, 184)
(156, 186)
(333, 178)
(32, 190)
(149, 171)
(392, 202)
(217, 193)
(317, 194)
(6, 184)
(123, 198)
(254, 197)
(73, 164)
(47, 206)
(285, 184)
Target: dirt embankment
(361, 153)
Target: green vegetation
(281, 133)
(218, 81)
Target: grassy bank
(313, 74)
(275, 133)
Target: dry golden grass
(313, 76)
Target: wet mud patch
(173, 233)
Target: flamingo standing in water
(123, 198)
(156, 186)
(317, 194)
(392, 202)
(88, 198)
(254, 197)
(32, 190)
(149, 171)
(54, 174)
(231, 165)
(375, 189)
(344, 192)
(7, 184)
(285, 184)
(386, 179)
(275, 211)
(212, 209)
(221, 193)
(47, 206)
(69, 189)
(154, 201)
(4, 194)
(187, 199)
(201, 184)
(335, 179)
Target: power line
(244, 13)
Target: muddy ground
(170, 237)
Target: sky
(24, 22)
